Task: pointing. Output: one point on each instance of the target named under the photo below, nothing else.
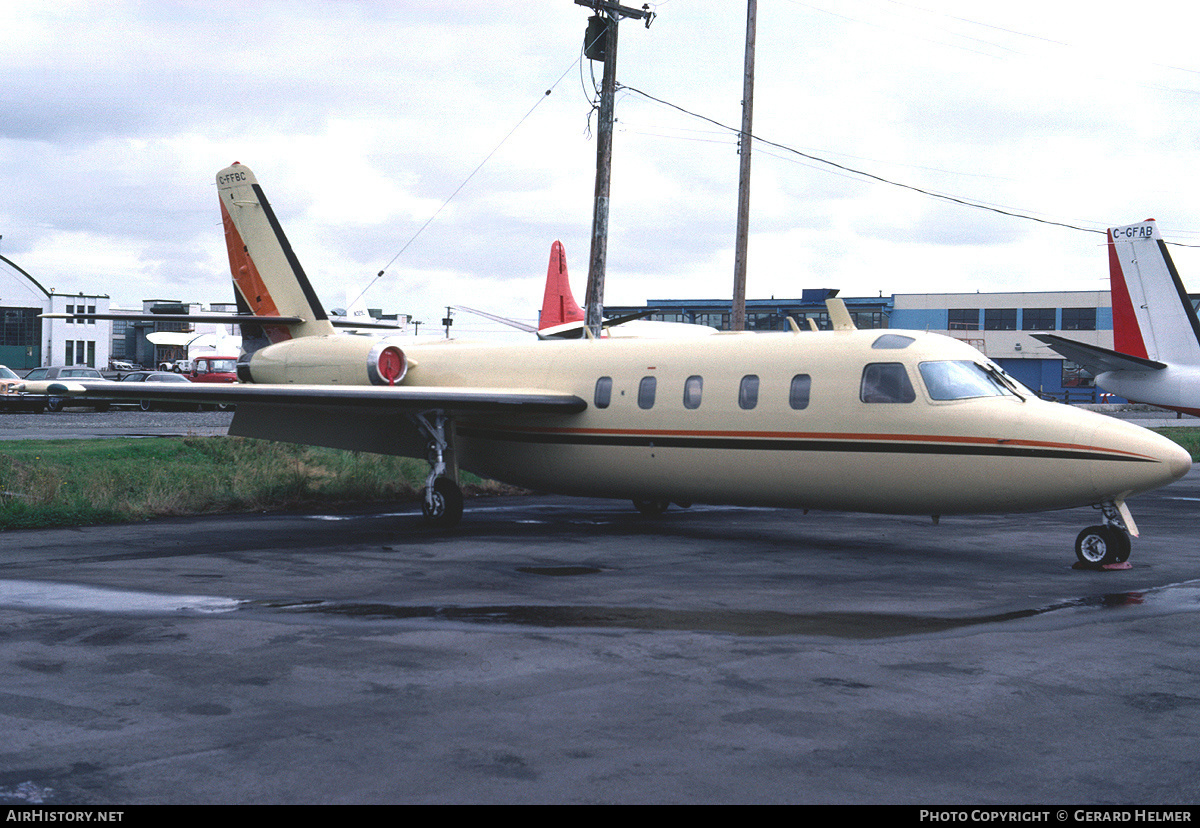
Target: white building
(28, 341)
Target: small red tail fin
(558, 305)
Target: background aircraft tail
(1152, 315)
(267, 278)
(558, 305)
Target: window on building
(70, 321)
(1079, 319)
(603, 392)
(91, 309)
(646, 390)
(1037, 319)
(1000, 319)
(1075, 375)
(886, 382)
(798, 393)
(748, 392)
(69, 353)
(867, 320)
(693, 388)
(91, 354)
(964, 319)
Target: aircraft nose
(1141, 460)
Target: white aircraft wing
(1096, 359)
(399, 398)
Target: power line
(466, 180)
(816, 158)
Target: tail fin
(558, 305)
(1153, 317)
(267, 278)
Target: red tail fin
(558, 305)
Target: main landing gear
(441, 499)
(1109, 543)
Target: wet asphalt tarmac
(571, 651)
(553, 650)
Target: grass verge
(78, 482)
(1189, 438)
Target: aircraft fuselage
(785, 420)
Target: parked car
(156, 377)
(70, 372)
(12, 399)
(213, 369)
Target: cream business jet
(887, 421)
(1156, 334)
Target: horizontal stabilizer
(1096, 359)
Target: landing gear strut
(442, 499)
(1109, 543)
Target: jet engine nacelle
(321, 360)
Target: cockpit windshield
(962, 379)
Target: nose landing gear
(1110, 543)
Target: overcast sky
(361, 118)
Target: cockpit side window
(886, 382)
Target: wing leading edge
(379, 397)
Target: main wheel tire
(1100, 545)
(447, 507)
(144, 405)
(651, 508)
(54, 404)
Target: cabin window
(603, 392)
(959, 380)
(646, 389)
(748, 392)
(693, 387)
(798, 393)
(886, 382)
(892, 341)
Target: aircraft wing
(399, 398)
(1096, 359)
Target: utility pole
(738, 322)
(600, 43)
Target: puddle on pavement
(50, 595)
(853, 625)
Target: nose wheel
(1108, 543)
(1102, 545)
